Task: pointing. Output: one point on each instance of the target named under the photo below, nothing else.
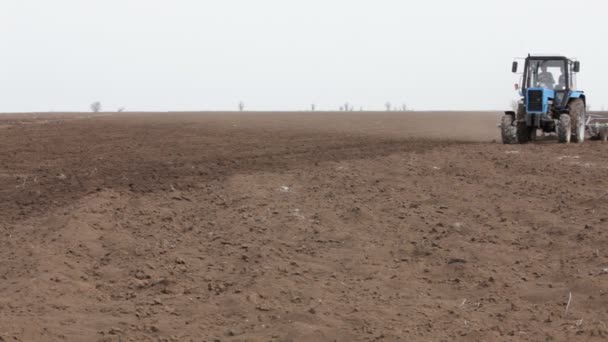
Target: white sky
(283, 54)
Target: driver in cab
(545, 78)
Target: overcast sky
(282, 54)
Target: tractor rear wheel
(577, 118)
(564, 130)
(507, 130)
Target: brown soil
(298, 227)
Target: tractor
(549, 102)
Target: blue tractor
(549, 102)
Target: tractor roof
(548, 56)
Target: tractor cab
(548, 83)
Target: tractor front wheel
(507, 130)
(564, 130)
(524, 133)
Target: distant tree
(347, 107)
(341, 108)
(96, 107)
(312, 107)
(404, 107)
(121, 109)
(241, 106)
(388, 106)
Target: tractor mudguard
(576, 94)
